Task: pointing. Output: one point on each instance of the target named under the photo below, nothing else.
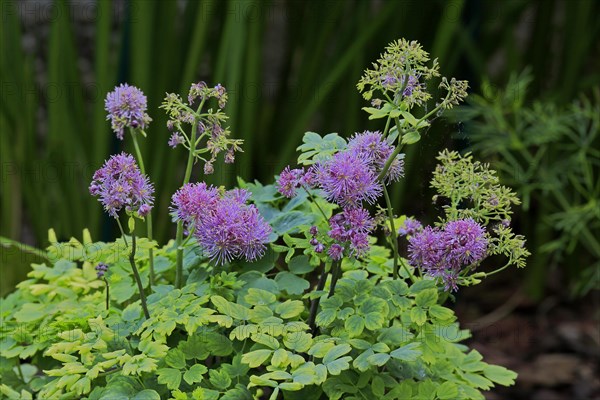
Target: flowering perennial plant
(274, 292)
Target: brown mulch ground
(553, 344)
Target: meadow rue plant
(282, 291)
(126, 106)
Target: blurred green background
(291, 66)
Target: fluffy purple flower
(352, 226)
(359, 244)
(410, 227)
(347, 179)
(442, 253)
(374, 147)
(319, 248)
(176, 139)
(289, 181)
(119, 183)
(335, 252)
(101, 269)
(192, 202)
(425, 249)
(126, 107)
(314, 231)
(232, 229)
(465, 241)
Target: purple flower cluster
(290, 180)
(202, 91)
(352, 227)
(410, 227)
(189, 204)
(176, 139)
(120, 183)
(443, 252)
(225, 226)
(101, 269)
(374, 147)
(126, 107)
(347, 179)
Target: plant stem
(149, 216)
(394, 234)
(389, 161)
(314, 304)
(186, 179)
(107, 295)
(498, 270)
(136, 275)
(122, 231)
(312, 198)
(335, 275)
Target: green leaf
(291, 283)
(354, 325)
(219, 378)
(256, 358)
(146, 394)
(290, 222)
(447, 390)
(379, 359)
(257, 297)
(326, 317)
(478, 381)
(30, 312)
(233, 310)
(441, 313)
(300, 265)
(266, 340)
(410, 352)
(411, 137)
(194, 347)
(374, 321)
(336, 352)
(500, 375)
(361, 362)
(378, 386)
(280, 358)
(131, 224)
(320, 349)
(418, 316)
(175, 358)
(298, 341)
(218, 344)
(152, 349)
(290, 309)
(132, 312)
(194, 374)
(427, 298)
(170, 377)
(337, 366)
(410, 118)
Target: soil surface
(553, 343)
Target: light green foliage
(232, 335)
